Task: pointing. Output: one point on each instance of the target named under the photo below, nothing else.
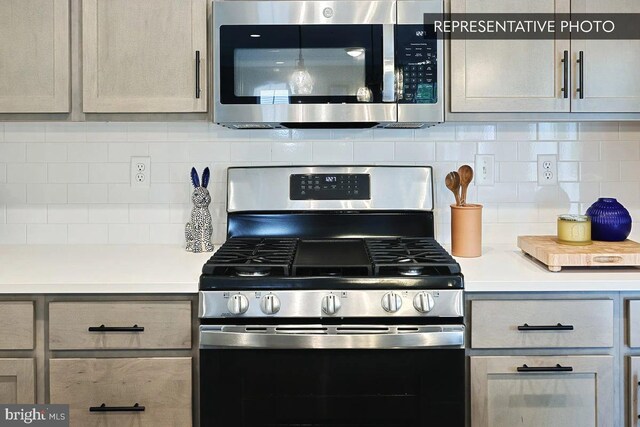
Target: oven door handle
(331, 337)
(389, 92)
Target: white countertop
(88, 269)
(159, 269)
(507, 269)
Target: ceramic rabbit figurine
(198, 232)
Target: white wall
(69, 182)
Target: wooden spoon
(452, 182)
(466, 176)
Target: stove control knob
(238, 304)
(270, 304)
(330, 304)
(391, 302)
(423, 302)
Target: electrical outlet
(485, 171)
(547, 169)
(140, 172)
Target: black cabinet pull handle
(104, 408)
(557, 368)
(580, 88)
(102, 328)
(558, 327)
(197, 74)
(565, 72)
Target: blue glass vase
(610, 221)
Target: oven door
(289, 62)
(332, 376)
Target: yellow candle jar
(574, 229)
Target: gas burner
(410, 271)
(253, 271)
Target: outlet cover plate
(485, 170)
(547, 169)
(140, 172)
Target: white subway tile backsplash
(24, 132)
(579, 151)
(134, 234)
(13, 193)
(13, 234)
(66, 173)
(46, 234)
(149, 213)
(67, 214)
(557, 131)
(26, 214)
(476, 132)
(65, 132)
(46, 193)
(48, 152)
(332, 152)
(12, 152)
(528, 151)
(373, 151)
(292, 152)
(88, 193)
(620, 150)
(82, 234)
(97, 152)
(250, 151)
(516, 131)
(418, 151)
(27, 173)
(598, 131)
(108, 214)
(117, 173)
(75, 176)
(119, 152)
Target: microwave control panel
(340, 186)
(417, 64)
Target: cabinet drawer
(634, 323)
(161, 388)
(119, 325)
(541, 323)
(16, 325)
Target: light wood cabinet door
(160, 387)
(141, 56)
(533, 391)
(17, 381)
(34, 56)
(610, 78)
(508, 75)
(16, 325)
(634, 390)
(119, 325)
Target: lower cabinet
(124, 391)
(17, 381)
(535, 391)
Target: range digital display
(340, 186)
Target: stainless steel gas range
(331, 303)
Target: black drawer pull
(197, 74)
(580, 88)
(558, 327)
(565, 72)
(104, 408)
(102, 328)
(557, 368)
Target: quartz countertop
(91, 269)
(507, 269)
(169, 269)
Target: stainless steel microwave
(332, 64)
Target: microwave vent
(405, 125)
(247, 125)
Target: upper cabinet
(143, 56)
(34, 56)
(508, 75)
(530, 76)
(608, 76)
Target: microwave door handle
(388, 63)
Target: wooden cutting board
(554, 255)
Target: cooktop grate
(410, 257)
(248, 257)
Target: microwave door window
(288, 64)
